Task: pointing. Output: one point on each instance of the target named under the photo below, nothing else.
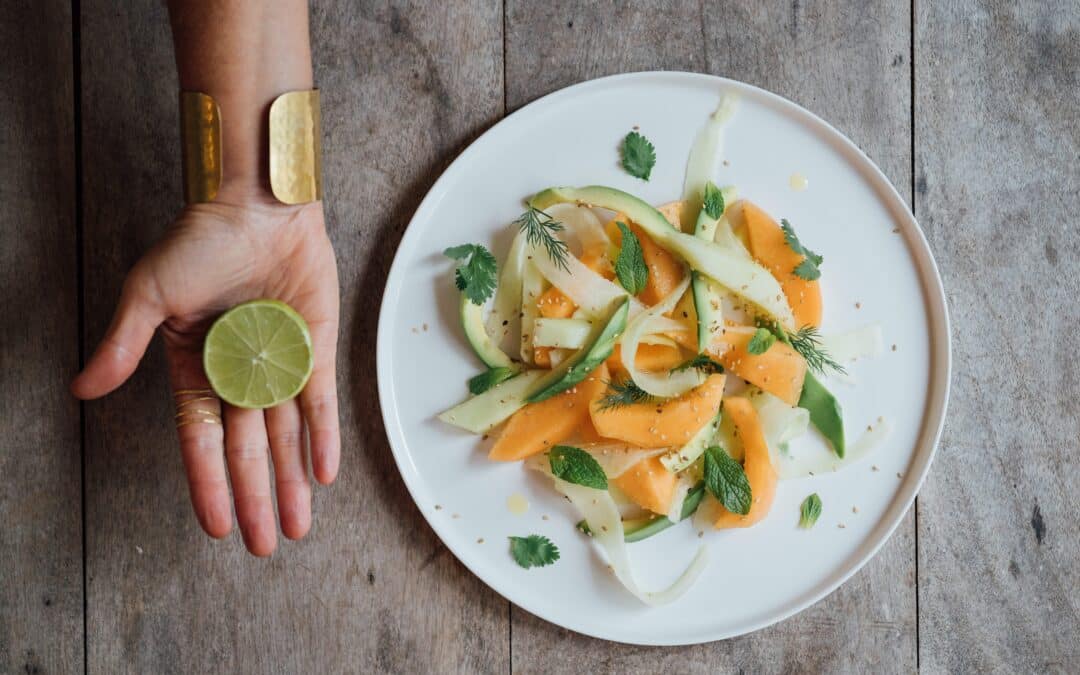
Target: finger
(198, 423)
(138, 314)
(320, 404)
(284, 427)
(246, 450)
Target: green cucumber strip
(694, 448)
(483, 413)
(472, 321)
(824, 411)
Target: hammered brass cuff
(295, 147)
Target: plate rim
(934, 302)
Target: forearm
(243, 53)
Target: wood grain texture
(998, 146)
(848, 62)
(371, 588)
(41, 591)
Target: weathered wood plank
(998, 135)
(371, 588)
(848, 62)
(41, 590)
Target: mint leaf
(810, 511)
(476, 271)
(576, 466)
(760, 343)
(808, 268)
(726, 480)
(630, 266)
(700, 362)
(478, 384)
(713, 203)
(533, 551)
(638, 155)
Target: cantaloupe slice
(768, 246)
(542, 357)
(779, 371)
(672, 422)
(756, 463)
(652, 358)
(665, 270)
(539, 426)
(649, 485)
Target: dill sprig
(622, 393)
(540, 229)
(807, 341)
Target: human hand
(214, 256)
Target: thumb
(138, 314)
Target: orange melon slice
(779, 371)
(649, 485)
(665, 270)
(539, 426)
(756, 462)
(768, 246)
(668, 423)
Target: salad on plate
(656, 362)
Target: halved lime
(258, 354)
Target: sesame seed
(480, 540)
(438, 507)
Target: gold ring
(189, 413)
(188, 392)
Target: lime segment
(258, 354)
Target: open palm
(213, 257)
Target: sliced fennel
(583, 224)
(588, 290)
(854, 344)
(668, 384)
(780, 423)
(745, 278)
(704, 155)
(683, 486)
(564, 333)
(482, 413)
(598, 509)
(688, 454)
(532, 287)
(708, 305)
(506, 307)
(819, 460)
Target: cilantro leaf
(700, 362)
(478, 384)
(630, 266)
(713, 202)
(476, 271)
(574, 465)
(810, 511)
(726, 480)
(533, 551)
(638, 155)
(808, 268)
(760, 343)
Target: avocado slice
(472, 321)
(741, 276)
(824, 412)
(598, 346)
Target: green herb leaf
(807, 341)
(713, 202)
(808, 268)
(810, 511)
(638, 155)
(700, 362)
(760, 343)
(576, 466)
(630, 266)
(623, 393)
(476, 271)
(726, 480)
(533, 551)
(540, 230)
(478, 384)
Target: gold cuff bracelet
(295, 147)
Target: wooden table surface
(971, 108)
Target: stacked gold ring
(188, 410)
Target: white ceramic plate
(877, 269)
